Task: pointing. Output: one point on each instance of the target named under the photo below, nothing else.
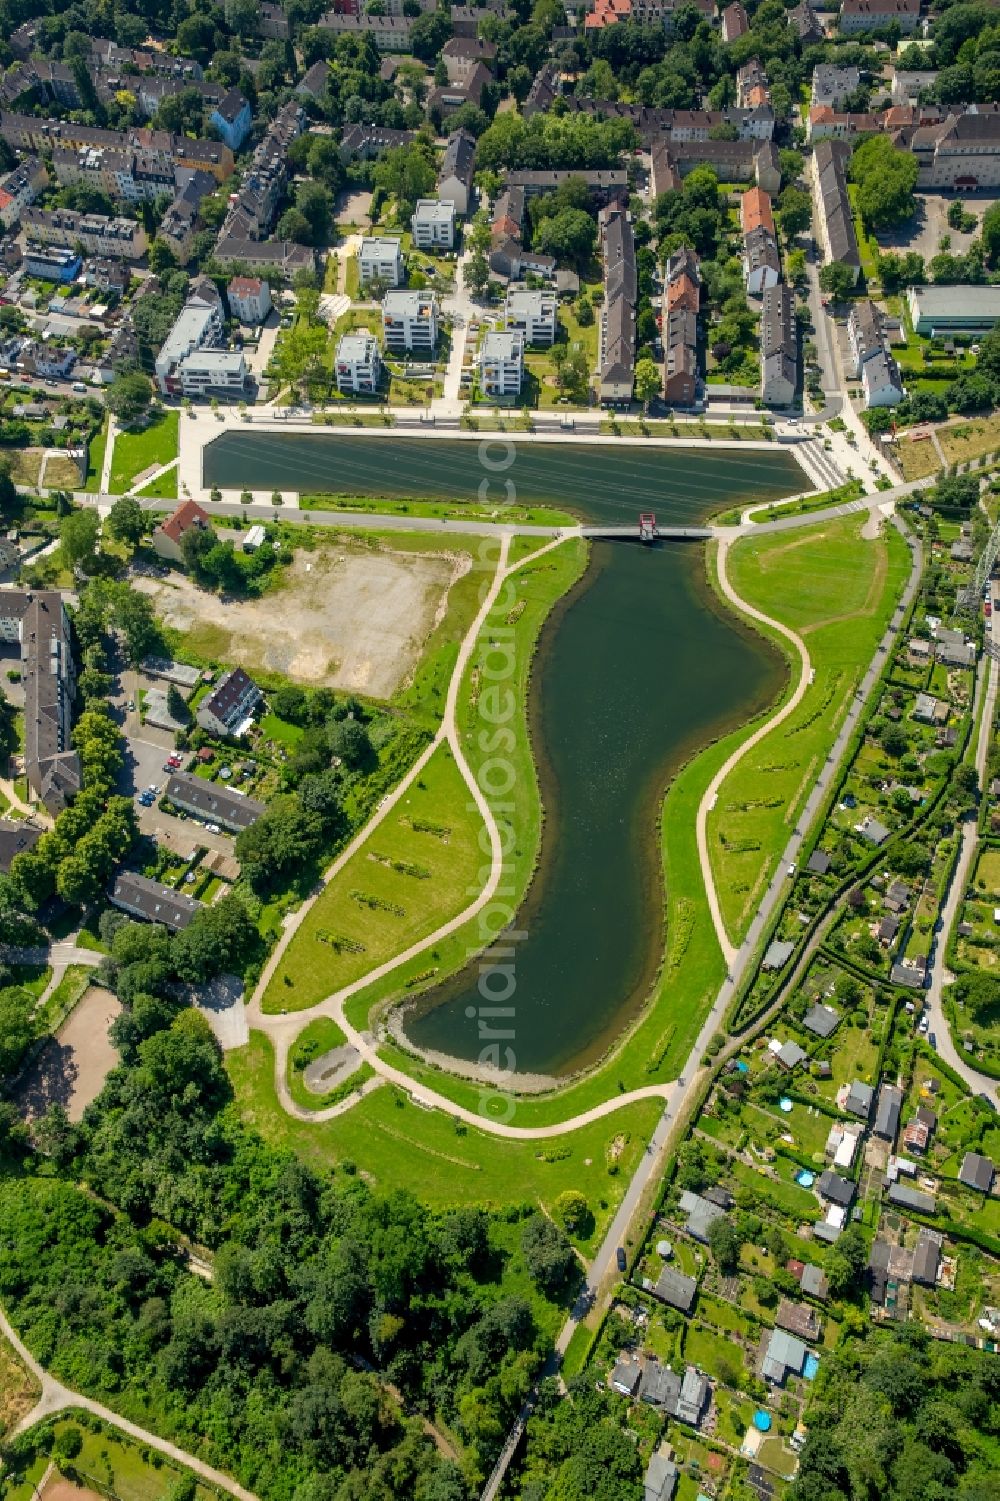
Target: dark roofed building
(16, 839)
(830, 1185)
(228, 707)
(798, 1318)
(153, 901)
(818, 863)
(37, 620)
(890, 1102)
(927, 1256)
(911, 1198)
(976, 1172)
(675, 1289)
(212, 802)
(814, 1282)
(821, 1020)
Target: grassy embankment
(442, 510)
(19, 1390)
(838, 592)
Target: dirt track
(350, 618)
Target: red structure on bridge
(647, 527)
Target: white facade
(501, 363)
(199, 325)
(359, 365)
(381, 260)
(410, 321)
(433, 225)
(533, 314)
(249, 299)
(213, 371)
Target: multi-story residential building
(833, 216)
(908, 84)
(457, 167)
(501, 363)
(832, 85)
(232, 118)
(43, 136)
(806, 24)
(533, 314)
(19, 188)
(117, 238)
(876, 15)
(380, 259)
(603, 184)
(389, 33)
(461, 54)
(735, 22)
(213, 372)
(276, 259)
(249, 299)
(228, 709)
(182, 221)
(617, 325)
(410, 321)
(751, 85)
(872, 358)
(545, 89)
(363, 142)
(107, 275)
(252, 213)
(680, 125)
(49, 360)
(358, 364)
(779, 348)
(433, 225)
(51, 263)
(38, 621)
(761, 266)
(212, 802)
(312, 84)
(200, 325)
(680, 364)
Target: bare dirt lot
(61, 1489)
(71, 1068)
(346, 618)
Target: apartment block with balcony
(501, 363)
(358, 364)
(381, 259)
(410, 322)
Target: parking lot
(924, 232)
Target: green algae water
(637, 669)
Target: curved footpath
(711, 793)
(56, 1398)
(284, 1028)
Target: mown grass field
(410, 876)
(400, 1145)
(157, 443)
(838, 592)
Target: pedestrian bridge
(655, 533)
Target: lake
(637, 669)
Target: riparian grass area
(19, 1390)
(411, 875)
(838, 591)
(400, 1145)
(95, 457)
(156, 443)
(441, 510)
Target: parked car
(213, 828)
(932, 1039)
(621, 1259)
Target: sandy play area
(351, 618)
(71, 1067)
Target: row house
(826, 124)
(752, 90)
(19, 188)
(735, 22)
(779, 347)
(124, 239)
(182, 220)
(37, 621)
(833, 217)
(871, 357)
(761, 266)
(280, 260)
(680, 125)
(364, 142)
(679, 328)
(860, 16)
(618, 336)
(389, 33)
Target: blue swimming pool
(811, 1367)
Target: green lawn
(838, 592)
(162, 488)
(95, 457)
(410, 876)
(157, 443)
(65, 996)
(400, 1145)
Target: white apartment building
(433, 225)
(199, 326)
(359, 364)
(381, 260)
(249, 299)
(214, 372)
(410, 321)
(533, 314)
(501, 363)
